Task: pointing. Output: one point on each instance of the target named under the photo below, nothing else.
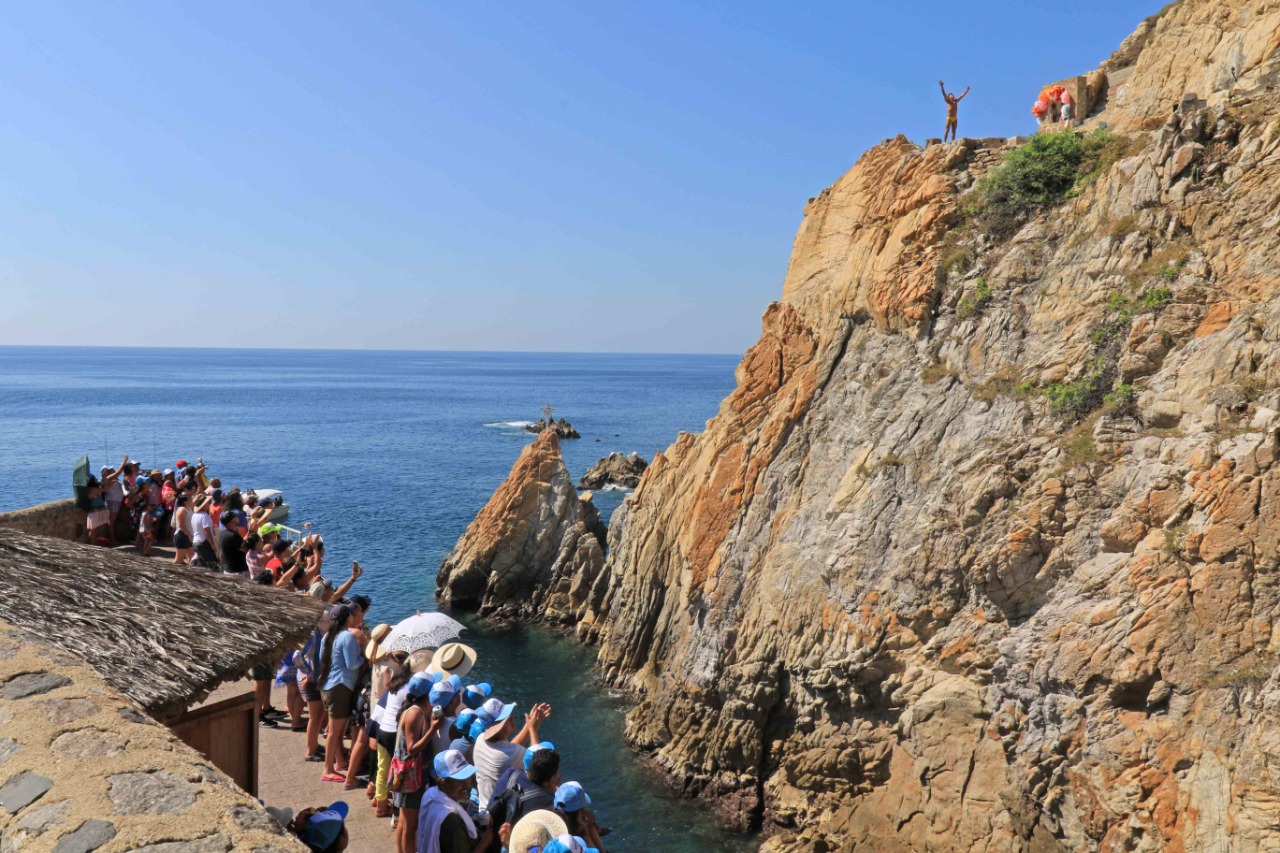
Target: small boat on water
(281, 510)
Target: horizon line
(359, 350)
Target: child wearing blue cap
(322, 830)
(571, 803)
(445, 825)
(475, 694)
(522, 790)
(447, 696)
(500, 747)
(462, 733)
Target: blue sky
(598, 176)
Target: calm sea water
(389, 455)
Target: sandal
(333, 777)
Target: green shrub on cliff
(1039, 172)
(1042, 172)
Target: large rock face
(536, 550)
(893, 600)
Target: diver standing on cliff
(953, 107)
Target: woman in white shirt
(202, 534)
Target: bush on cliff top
(1042, 172)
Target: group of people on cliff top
(229, 531)
(446, 760)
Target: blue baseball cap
(464, 721)
(442, 693)
(495, 711)
(528, 753)
(570, 797)
(419, 686)
(475, 694)
(452, 764)
(324, 827)
(568, 844)
(477, 729)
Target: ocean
(389, 455)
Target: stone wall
(58, 519)
(83, 768)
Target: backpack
(512, 793)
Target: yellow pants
(384, 769)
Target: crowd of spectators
(447, 762)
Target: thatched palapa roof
(162, 635)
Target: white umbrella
(422, 631)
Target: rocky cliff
(982, 551)
(535, 551)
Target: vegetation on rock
(1042, 172)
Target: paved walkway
(285, 778)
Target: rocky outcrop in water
(615, 470)
(981, 553)
(536, 550)
(560, 427)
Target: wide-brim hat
(453, 659)
(535, 829)
(374, 650)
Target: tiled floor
(286, 779)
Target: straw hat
(535, 829)
(419, 661)
(453, 659)
(374, 649)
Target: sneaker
(316, 756)
(274, 713)
(267, 723)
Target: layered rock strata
(535, 551)
(981, 553)
(896, 598)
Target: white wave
(614, 487)
(510, 424)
